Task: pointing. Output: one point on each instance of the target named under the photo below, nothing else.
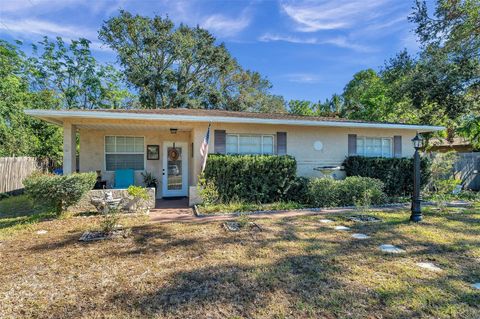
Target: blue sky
(307, 49)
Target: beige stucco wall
(300, 140)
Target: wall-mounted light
(173, 131)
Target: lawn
(293, 268)
(20, 212)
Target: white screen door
(175, 169)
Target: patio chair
(123, 178)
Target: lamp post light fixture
(416, 215)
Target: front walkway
(177, 210)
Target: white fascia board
(221, 119)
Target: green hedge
(59, 191)
(395, 173)
(355, 190)
(256, 178)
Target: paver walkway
(177, 210)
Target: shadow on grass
(308, 278)
(19, 211)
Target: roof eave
(57, 117)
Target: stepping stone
(391, 249)
(342, 228)
(326, 221)
(476, 286)
(360, 236)
(41, 232)
(429, 266)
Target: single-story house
(166, 142)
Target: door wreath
(173, 154)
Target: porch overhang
(58, 117)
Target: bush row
(256, 178)
(59, 191)
(265, 179)
(396, 173)
(355, 190)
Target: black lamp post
(416, 206)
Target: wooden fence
(13, 171)
(467, 168)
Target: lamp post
(416, 215)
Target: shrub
(138, 192)
(323, 192)
(110, 220)
(57, 191)
(360, 190)
(207, 190)
(253, 178)
(326, 192)
(298, 191)
(395, 173)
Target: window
(249, 144)
(374, 146)
(122, 152)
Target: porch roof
(218, 116)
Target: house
(117, 139)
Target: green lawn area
(293, 268)
(20, 212)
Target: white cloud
(312, 16)
(302, 77)
(267, 37)
(342, 42)
(226, 26)
(35, 29)
(40, 27)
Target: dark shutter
(397, 146)
(220, 141)
(352, 144)
(281, 143)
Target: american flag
(204, 148)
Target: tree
(301, 107)
(183, 66)
(365, 97)
(21, 135)
(333, 107)
(77, 79)
(248, 91)
(447, 76)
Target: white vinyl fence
(13, 171)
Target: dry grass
(294, 268)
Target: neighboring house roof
(458, 144)
(219, 116)
(456, 141)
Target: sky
(307, 49)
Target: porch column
(69, 148)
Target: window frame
(381, 138)
(262, 136)
(144, 153)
